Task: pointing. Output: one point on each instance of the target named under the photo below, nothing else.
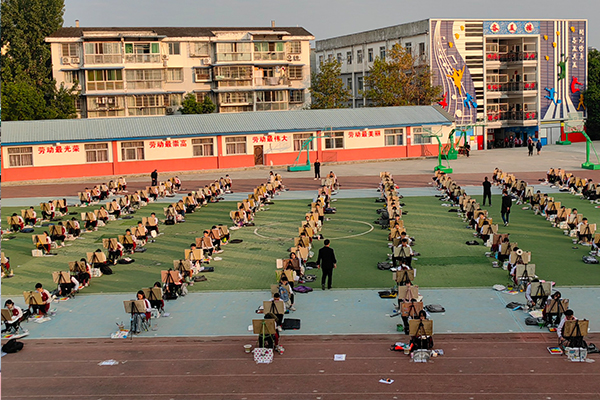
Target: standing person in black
(487, 191)
(317, 165)
(154, 176)
(327, 262)
(506, 205)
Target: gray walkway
(322, 313)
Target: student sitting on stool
(31, 217)
(421, 341)
(17, 313)
(46, 300)
(19, 225)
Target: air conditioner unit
(205, 61)
(165, 57)
(75, 60)
(172, 110)
(111, 100)
(66, 61)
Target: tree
(191, 106)
(27, 62)
(327, 89)
(402, 80)
(591, 96)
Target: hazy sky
(323, 18)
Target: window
(382, 52)
(359, 56)
(201, 95)
(104, 79)
(144, 78)
(105, 106)
(147, 104)
(175, 99)
(201, 74)
(132, 151)
(394, 137)
(269, 51)
(335, 141)
(370, 55)
(103, 53)
(295, 72)
(408, 47)
(349, 57)
(234, 52)
(339, 57)
(360, 83)
(299, 139)
(174, 74)
(203, 147)
(330, 57)
(20, 156)
(296, 96)
(174, 48)
(235, 145)
(70, 50)
(199, 49)
(422, 50)
(295, 47)
(235, 97)
(142, 52)
(349, 84)
(233, 72)
(417, 134)
(271, 100)
(71, 77)
(97, 152)
(320, 60)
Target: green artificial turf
(446, 260)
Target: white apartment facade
(125, 72)
(500, 78)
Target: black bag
(200, 278)
(435, 308)
(208, 269)
(311, 265)
(140, 249)
(384, 265)
(533, 321)
(589, 260)
(290, 324)
(388, 294)
(170, 222)
(12, 346)
(27, 230)
(472, 243)
(106, 269)
(125, 260)
(591, 348)
(513, 304)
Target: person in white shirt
(568, 316)
(32, 218)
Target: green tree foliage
(191, 106)
(591, 96)
(327, 89)
(400, 80)
(27, 62)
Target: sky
(323, 18)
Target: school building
(55, 149)
(501, 77)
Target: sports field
(445, 260)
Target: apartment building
(125, 72)
(499, 78)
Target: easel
(574, 331)
(411, 309)
(33, 299)
(170, 278)
(524, 275)
(407, 293)
(134, 308)
(540, 292)
(63, 278)
(154, 296)
(277, 308)
(421, 329)
(264, 327)
(183, 266)
(7, 319)
(555, 310)
(402, 277)
(96, 258)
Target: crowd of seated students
(555, 311)
(263, 194)
(410, 305)
(568, 182)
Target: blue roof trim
(247, 123)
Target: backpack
(435, 308)
(384, 265)
(589, 260)
(105, 269)
(290, 324)
(472, 243)
(388, 294)
(125, 260)
(533, 321)
(12, 346)
(302, 289)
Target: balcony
(512, 56)
(142, 58)
(512, 87)
(103, 59)
(270, 56)
(271, 81)
(511, 116)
